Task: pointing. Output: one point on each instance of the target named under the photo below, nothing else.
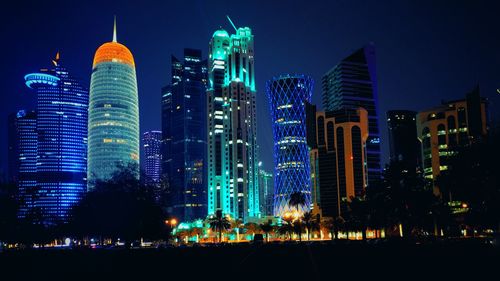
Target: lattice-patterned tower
(287, 96)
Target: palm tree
(267, 228)
(298, 228)
(310, 222)
(236, 225)
(327, 223)
(287, 227)
(219, 223)
(296, 200)
(182, 235)
(252, 228)
(196, 231)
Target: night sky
(426, 51)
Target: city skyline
(259, 135)
(402, 60)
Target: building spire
(114, 30)
(55, 61)
(230, 21)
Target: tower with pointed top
(113, 125)
(232, 125)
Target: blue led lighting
(287, 95)
(53, 166)
(40, 78)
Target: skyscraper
(12, 148)
(184, 118)
(113, 111)
(232, 125)
(266, 187)
(152, 153)
(337, 141)
(287, 97)
(353, 83)
(61, 146)
(403, 142)
(27, 140)
(445, 128)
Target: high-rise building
(353, 83)
(61, 146)
(27, 139)
(266, 195)
(232, 125)
(12, 149)
(403, 141)
(447, 127)
(113, 112)
(287, 97)
(184, 119)
(152, 156)
(337, 142)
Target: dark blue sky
(426, 50)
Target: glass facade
(184, 119)
(442, 130)
(113, 124)
(351, 84)
(403, 142)
(152, 159)
(266, 187)
(27, 153)
(337, 140)
(287, 97)
(61, 143)
(232, 126)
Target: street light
(171, 222)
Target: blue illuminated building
(152, 154)
(152, 161)
(287, 96)
(184, 123)
(25, 141)
(352, 83)
(61, 146)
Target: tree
(358, 215)
(310, 223)
(121, 207)
(267, 228)
(236, 225)
(196, 232)
(219, 223)
(297, 199)
(472, 177)
(252, 228)
(286, 228)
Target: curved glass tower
(287, 96)
(61, 145)
(113, 111)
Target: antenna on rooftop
(230, 21)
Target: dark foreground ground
(396, 260)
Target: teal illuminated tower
(232, 126)
(113, 111)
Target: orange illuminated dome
(113, 52)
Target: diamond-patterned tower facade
(287, 96)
